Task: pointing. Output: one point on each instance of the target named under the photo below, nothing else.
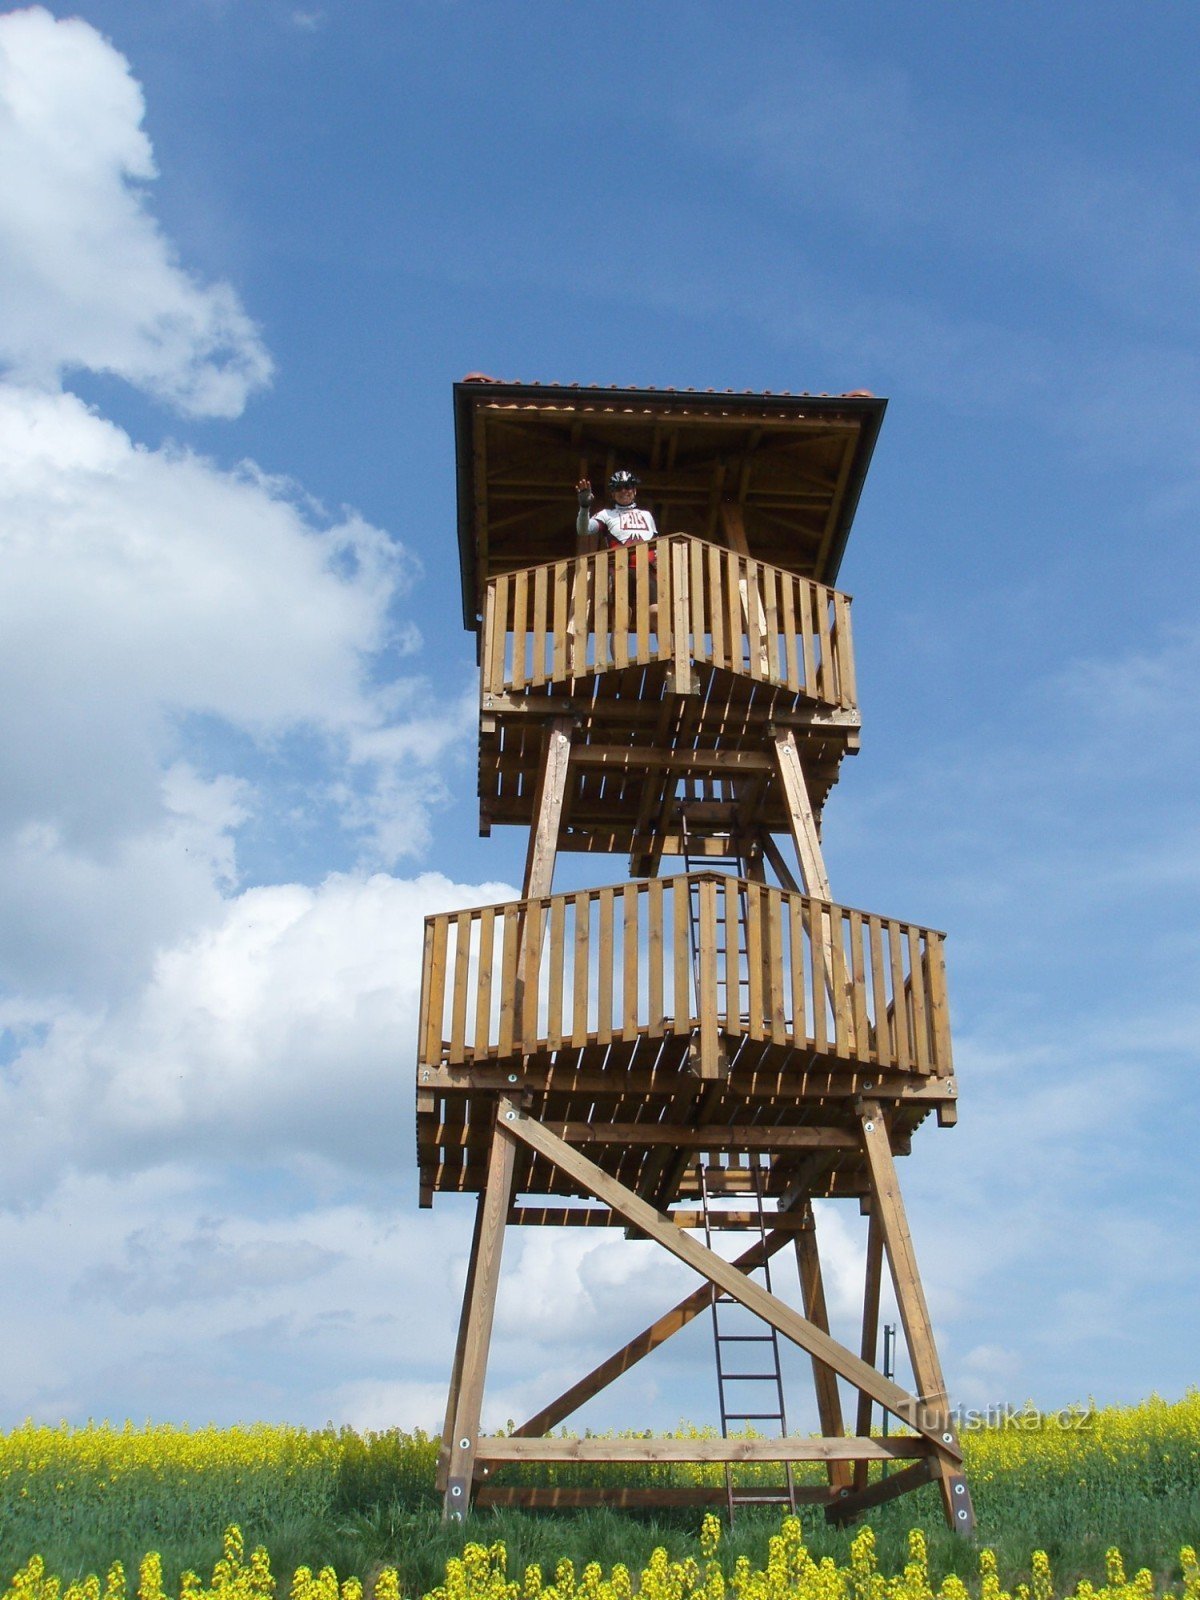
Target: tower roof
(794, 463)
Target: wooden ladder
(765, 1374)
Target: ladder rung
(734, 1377)
(746, 1338)
(753, 1416)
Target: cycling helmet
(623, 480)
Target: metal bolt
(512, 1077)
(456, 1516)
(425, 1075)
(947, 1438)
(962, 1515)
(464, 1444)
(960, 1488)
(870, 1126)
(510, 1116)
(456, 1490)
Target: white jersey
(625, 524)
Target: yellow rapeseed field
(790, 1573)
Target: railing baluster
(508, 979)
(754, 959)
(788, 595)
(706, 1000)
(858, 991)
(899, 1000)
(629, 960)
(641, 595)
(581, 978)
(681, 944)
(767, 579)
(423, 1027)
(806, 594)
(796, 929)
(733, 956)
(462, 969)
(735, 611)
(529, 983)
(843, 653)
(542, 667)
(483, 997)
(665, 601)
(620, 572)
(601, 584)
(700, 651)
(604, 987)
(938, 1006)
(817, 923)
(917, 974)
(560, 621)
(826, 688)
(554, 999)
(579, 642)
(681, 657)
(520, 624)
(773, 967)
(654, 948)
(883, 1045)
(716, 608)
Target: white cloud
(281, 1031)
(89, 279)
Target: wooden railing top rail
(642, 885)
(666, 539)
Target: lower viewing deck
(675, 1021)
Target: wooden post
(547, 809)
(887, 1204)
(478, 1309)
(868, 1349)
(812, 1289)
(800, 815)
(803, 823)
(456, 1371)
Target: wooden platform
(697, 1015)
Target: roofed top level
(794, 464)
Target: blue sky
(245, 250)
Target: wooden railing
(568, 619)
(651, 958)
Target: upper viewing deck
(789, 467)
(674, 662)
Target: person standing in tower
(626, 523)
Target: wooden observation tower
(716, 1047)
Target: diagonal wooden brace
(596, 1182)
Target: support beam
(887, 1203)
(443, 1462)
(547, 809)
(478, 1310)
(812, 1290)
(869, 1348)
(511, 1447)
(800, 815)
(687, 1310)
(772, 1310)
